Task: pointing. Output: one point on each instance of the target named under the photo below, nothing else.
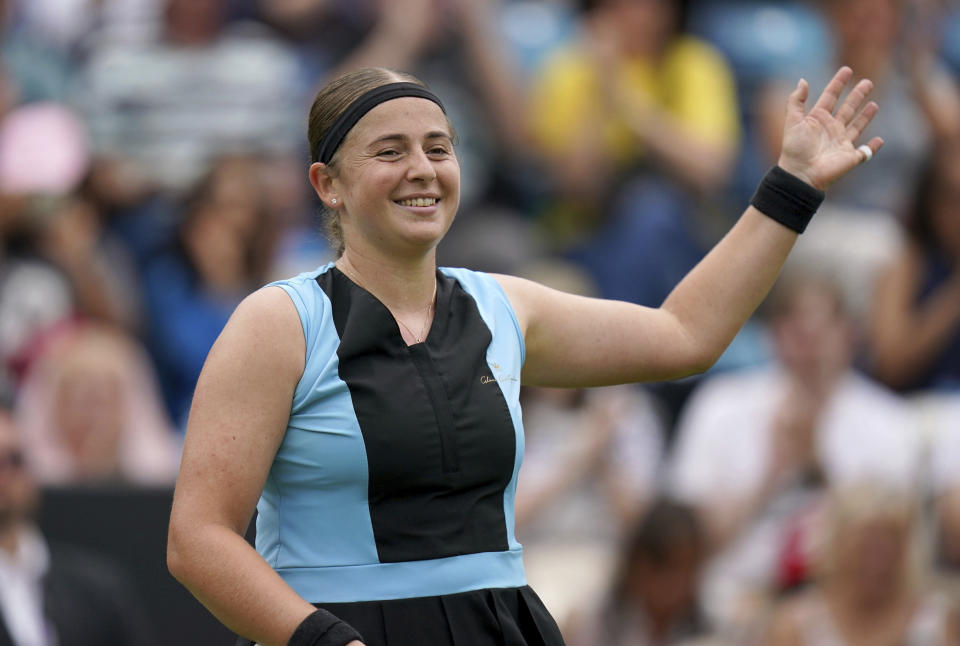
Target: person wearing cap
(369, 408)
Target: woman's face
(398, 181)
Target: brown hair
(930, 182)
(331, 101)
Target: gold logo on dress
(489, 379)
(497, 376)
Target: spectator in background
(638, 122)
(91, 413)
(9, 92)
(68, 232)
(321, 33)
(56, 261)
(915, 327)
(54, 595)
(871, 587)
(653, 600)
(755, 448)
(892, 42)
(941, 424)
(591, 460)
(213, 88)
(38, 69)
(220, 254)
(590, 466)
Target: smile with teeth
(418, 201)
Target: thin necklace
(419, 337)
(433, 300)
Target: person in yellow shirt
(633, 97)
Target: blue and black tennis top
(397, 473)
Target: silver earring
(333, 201)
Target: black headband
(367, 101)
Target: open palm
(818, 146)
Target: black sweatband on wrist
(787, 199)
(363, 104)
(322, 628)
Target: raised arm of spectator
(936, 92)
(496, 74)
(404, 30)
(576, 341)
(401, 32)
(906, 337)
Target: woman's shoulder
(306, 279)
(303, 290)
(268, 310)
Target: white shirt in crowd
(724, 446)
(21, 591)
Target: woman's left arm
(576, 341)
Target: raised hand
(819, 146)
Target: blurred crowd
(804, 491)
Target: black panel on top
(439, 438)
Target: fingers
(831, 93)
(860, 123)
(797, 99)
(868, 150)
(853, 101)
(874, 145)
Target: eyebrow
(433, 134)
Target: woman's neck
(403, 285)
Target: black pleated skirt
(491, 617)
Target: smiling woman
(369, 408)
(329, 124)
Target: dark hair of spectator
(331, 101)
(666, 527)
(681, 10)
(930, 183)
(194, 204)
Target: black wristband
(787, 199)
(321, 628)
